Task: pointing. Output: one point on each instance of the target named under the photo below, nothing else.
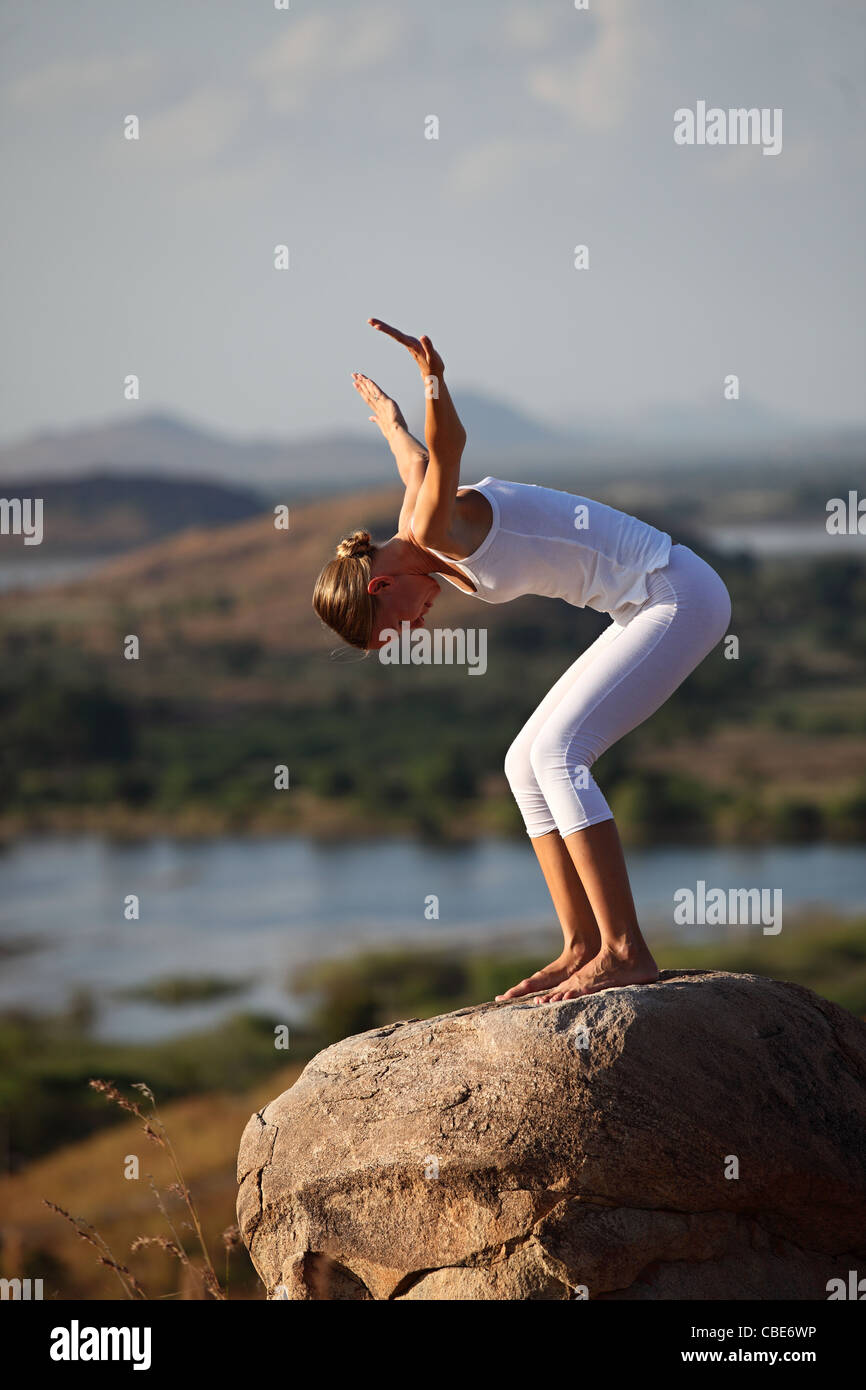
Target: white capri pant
(617, 683)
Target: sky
(307, 127)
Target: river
(254, 909)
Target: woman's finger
(389, 329)
(367, 383)
(368, 389)
(405, 338)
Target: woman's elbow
(430, 534)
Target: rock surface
(579, 1149)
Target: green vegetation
(183, 989)
(421, 749)
(47, 1062)
(828, 957)
(380, 986)
(52, 1111)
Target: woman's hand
(432, 494)
(426, 357)
(386, 413)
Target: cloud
(736, 165)
(197, 128)
(68, 81)
(494, 165)
(191, 131)
(593, 87)
(321, 49)
(243, 182)
(526, 29)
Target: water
(253, 910)
(32, 571)
(787, 541)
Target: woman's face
(400, 598)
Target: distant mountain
(502, 439)
(166, 445)
(491, 424)
(103, 513)
(158, 443)
(687, 422)
(712, 423)
(715, 428)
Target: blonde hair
(340, 597)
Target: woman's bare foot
(564, 967)
(607, 971)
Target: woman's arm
(435, 502)
(409, 453)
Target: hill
(667, 438)
(235, 674)
(212, 583)
(164, 445)
(104, 513)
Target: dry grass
(167, 593)
(87, 1180)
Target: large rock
(587, 1148)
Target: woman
(498, 540)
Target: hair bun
(356, 546)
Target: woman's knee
(716, 603)
(717, 611)
(557, 753)
(725, 608)
(544, 753)
(518, 765)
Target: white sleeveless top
(542, 541)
